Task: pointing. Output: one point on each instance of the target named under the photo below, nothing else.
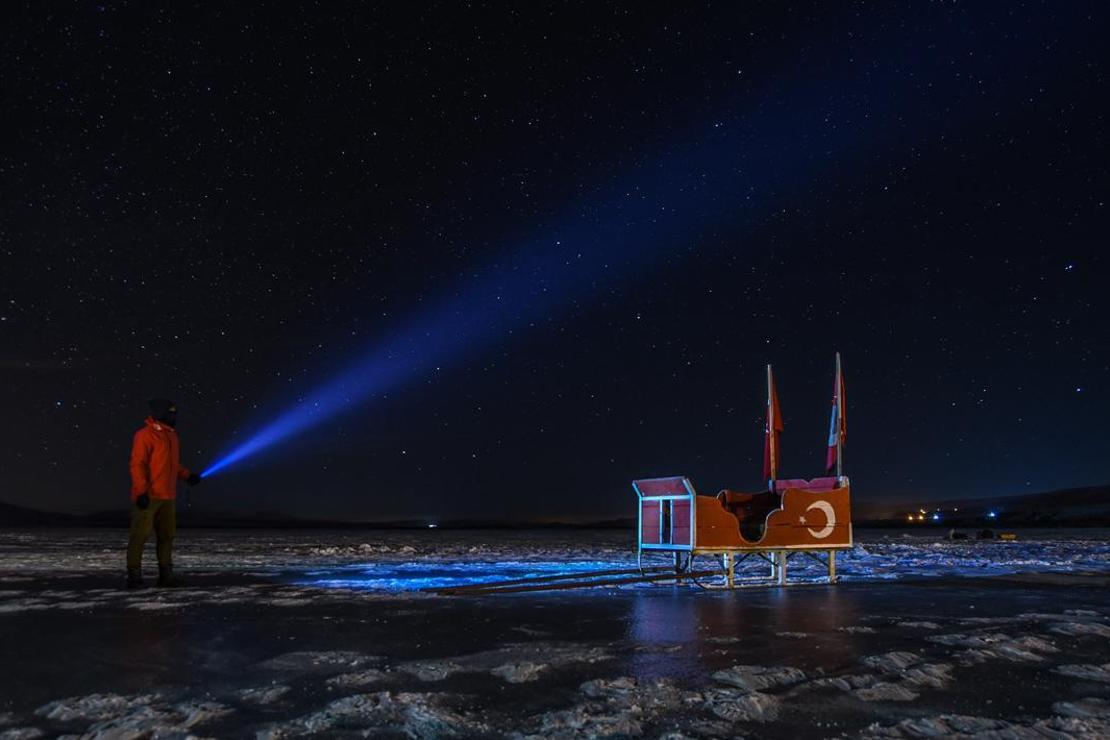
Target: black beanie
(160, 407)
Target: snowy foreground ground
(284, 634)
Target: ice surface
(313, 632)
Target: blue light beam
(727, 175)
(657, 214)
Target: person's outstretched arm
(189, 477)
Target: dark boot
(135, 578)
(166, 578)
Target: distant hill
(1071, 507)
(18, 516)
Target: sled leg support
(829, 562)
(778, 560)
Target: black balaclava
(163, 410)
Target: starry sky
(225, 205)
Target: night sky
(585, 228)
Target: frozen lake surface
(405, 560)
(283, 634)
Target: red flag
(771, 432)
(838, 423)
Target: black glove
(193, 479)
(143, 501)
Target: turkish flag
(771, 432)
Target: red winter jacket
(156, 462)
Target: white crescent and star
(830, 519)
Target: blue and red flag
(838, 423)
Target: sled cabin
(791, 515)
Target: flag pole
(839, 421)
(771, 427)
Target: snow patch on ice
(327, 661)
(858, 630)
(946, 725)
(23, 605)
(757, 678)
(22, 733)
(514, 662)
(116, 716)
(431, 670)
(900, 677)
(520, 672)
(997, 645)
(92, 707)
(1086, 672)
(149, 606)
(1091, 708)
(358, 679)
(749, 707)
(893, 662)
(412, 715)
(886, 691)
(613, 707)
(288, 602)
(262, 695)
(1081, 629)
(988, 728)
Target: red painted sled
(791, 516)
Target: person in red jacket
(155, 470)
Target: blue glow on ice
(418, 576)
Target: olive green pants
(161, 516)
